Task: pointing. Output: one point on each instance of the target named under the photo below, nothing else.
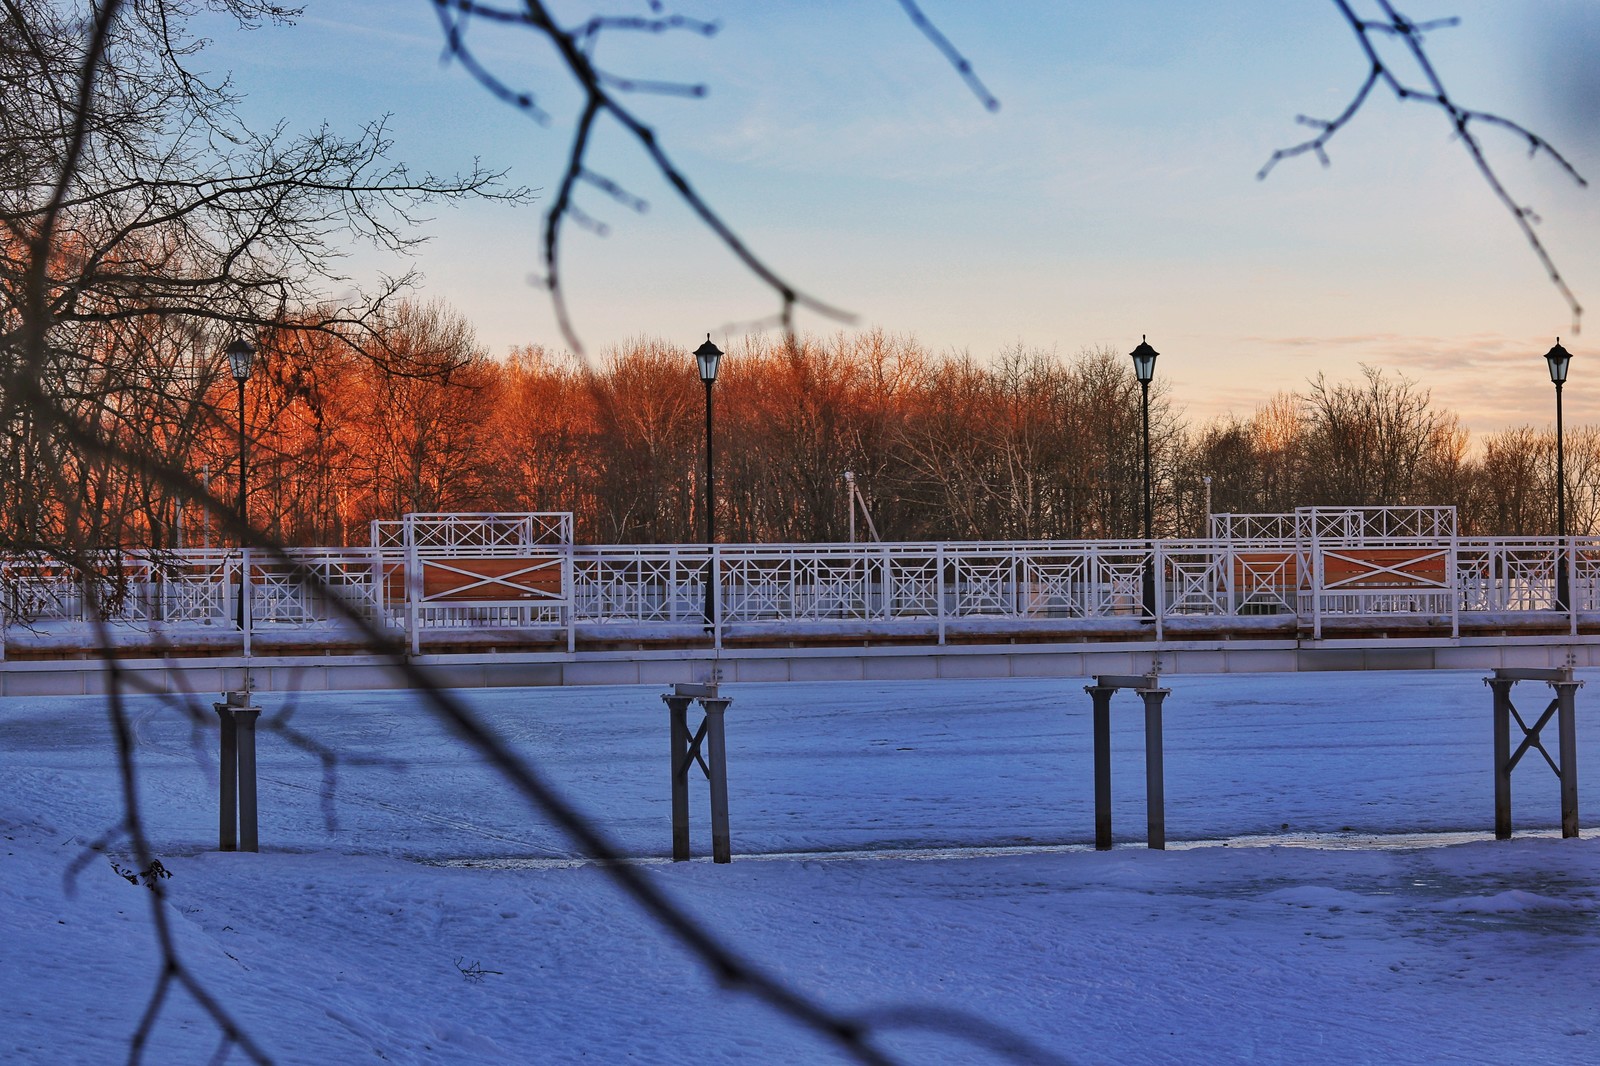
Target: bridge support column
(236, 794)
(678, 712)
(1502, 755)
(1563, 709)
(1155, 773)
(1153, 695)
(227, 779)
(707, 747)
(717, 776)
(1567, 724)
(1102, 765)
(245, 717)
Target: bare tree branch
(1397, 25)
(949, 51)
(575, 46)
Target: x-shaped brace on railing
(1375, 569)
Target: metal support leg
(1502, 757)
(1567, 723)
(228, 781)
(245, 722)
(1562, 708)
(1102, 766)
(1154, 770)
(717, 771)
(708, 747)
(678, 711)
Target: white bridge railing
(460, 579)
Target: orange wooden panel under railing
(1398, 568)
(462, 579)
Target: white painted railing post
(884, 565)
(674, 582)
(714, 586)
(1229, 576)
(1317, 581)
(1502, 578)
(244, 597)
(1158, 564)
(413, 588)
(938, 584)
(1453, 573)
(569, 588)
(1017, 568)
(1569, 559)
(378, 590)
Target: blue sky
(1113, 194)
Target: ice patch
(1322, 896)
(1514, 901)
(460, 1038)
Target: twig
(1397, 25)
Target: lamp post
(708, 355)
(1144, 368)
(1558, 358)
(240, 353)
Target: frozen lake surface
(922, 843)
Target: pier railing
(479, 579)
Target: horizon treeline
(1027, 446)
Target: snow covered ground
(895, 844)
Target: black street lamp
(240, 353)
(708, 355)
(1144, 368)
(1558, 358)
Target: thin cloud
(1353, 341)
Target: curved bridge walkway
(509, 599)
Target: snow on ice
(895, 844)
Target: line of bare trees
(1379, 441)
(1026, 446)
